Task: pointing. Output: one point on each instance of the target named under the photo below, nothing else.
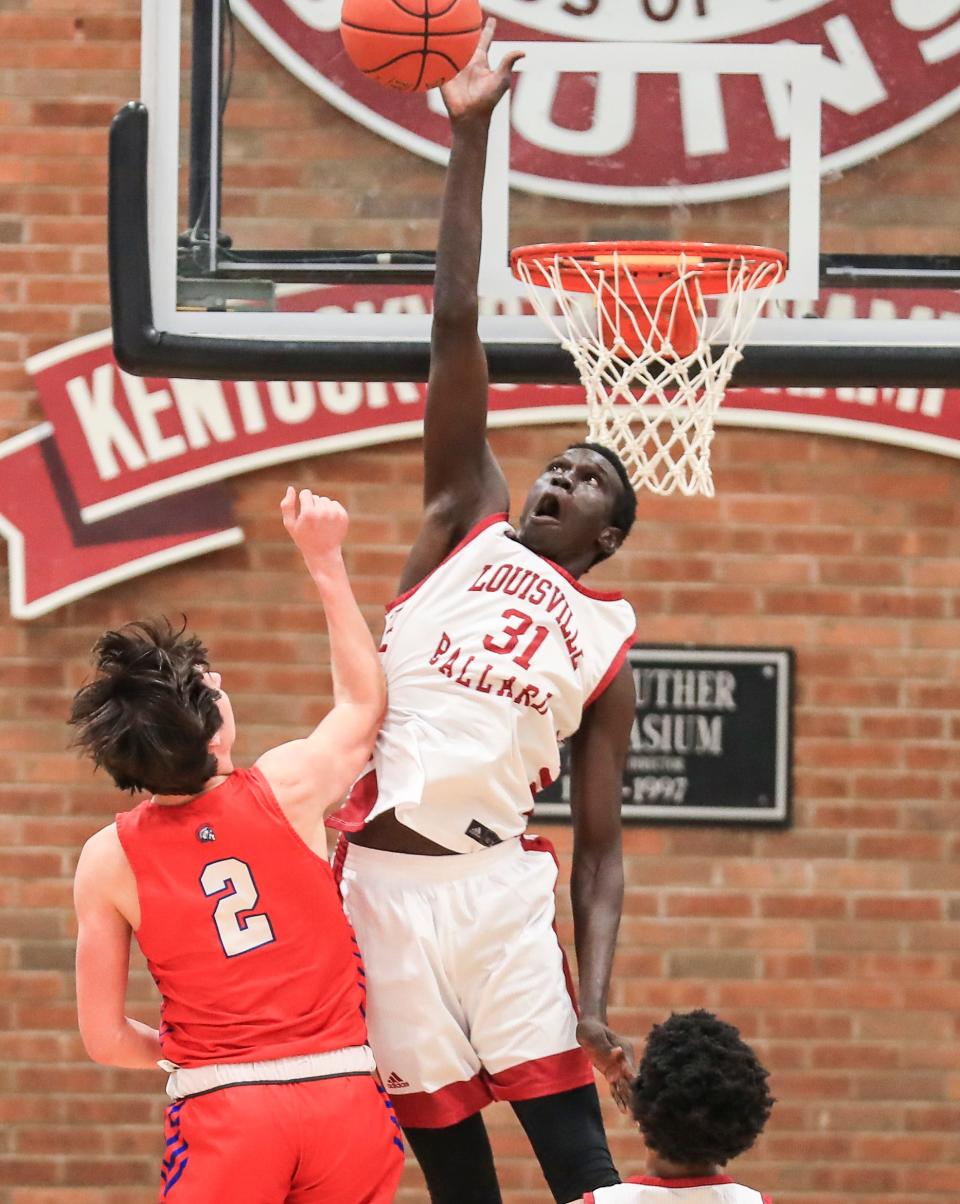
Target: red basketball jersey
(242, 929)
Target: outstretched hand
(611, 1055)
(478, 87)
(318, 527)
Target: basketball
(411, 45)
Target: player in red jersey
(222, 876)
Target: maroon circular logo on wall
(891, 72)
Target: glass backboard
(323, 189)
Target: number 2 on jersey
(236, 936)
(511, 637)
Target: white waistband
(419, 868)
(195, 1080)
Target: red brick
(863, 816)
(903, 1026)
(708, 905)
(903, 908)
(795, 906)
(764, 935)
(913, 845)
(856, 935)
(903, 726)
(932, 1118)
(854, 1057)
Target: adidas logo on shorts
(396, 1083)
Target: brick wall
(833, 945)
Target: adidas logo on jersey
(482, 834)
(396, 1083)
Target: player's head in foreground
(580, 509)
(154, 716)
(700, 1096)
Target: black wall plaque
(712, 739)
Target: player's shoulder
(103, 846)
(101, 859)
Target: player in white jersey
(494, 652)
(700, 1098)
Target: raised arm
(596, 884)
(462, 480)
(310, 776)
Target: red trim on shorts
(352, 815)
(708, 1181)
(542, 1076)
(539, 844)
(589, 1198)
(612, 670)
(529, 1080)
(339, 857)
(447, 1106)
(472, 534)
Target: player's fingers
(333, 511)
(509, 62)
(621, 1095)
(614, 1060)
(288, 505)
(486, 37)
(341, 518)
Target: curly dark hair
(700, 1095)
(625, 507)
(148, 716)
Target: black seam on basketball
(390, 62)
(426, 43)
(409, 11)
(406, 54)
(425, 12)
(410, 33)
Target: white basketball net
(654, 407)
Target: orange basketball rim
(649, 294)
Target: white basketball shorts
(468, 994)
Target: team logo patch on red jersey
(890, 73)
(206, 833)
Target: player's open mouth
(547, 509)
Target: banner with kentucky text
(123, 476)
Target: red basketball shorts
(468, 995)
(333, 1140)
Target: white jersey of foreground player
(491, 660)
(718, 1189)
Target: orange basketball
(411, 45)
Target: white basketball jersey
(490, 661)
(716, 1190)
